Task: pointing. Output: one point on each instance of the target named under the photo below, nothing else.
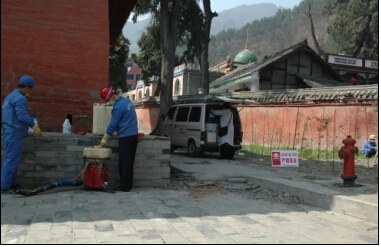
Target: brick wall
(64, 45)
(293, 125)
(56, 156)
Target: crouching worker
(15, 124)
(369, 148)
(125, 123)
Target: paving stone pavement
(167, 216)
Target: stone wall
(56, 156)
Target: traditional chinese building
(292, 68)
(358, 71)
(242, 58)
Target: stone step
(234, 175)
(237, 180)
(238, 187)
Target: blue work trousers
(13, 145)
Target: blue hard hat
(26, 80)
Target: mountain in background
(273, 34)
(228, 19)
(133, 31)
(267, 28)
(241, 15)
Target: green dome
(245, 56)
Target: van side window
(170, 113)
(195, 114)
(182, 114)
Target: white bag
(66, 127)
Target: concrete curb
(310, 193)
(341, 204)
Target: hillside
(233, 18)
(267, 28)
(271, 34)
(241, 15)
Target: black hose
(59, 183)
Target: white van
(194, 127)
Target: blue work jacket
(123, 118)
(369, 148)
(15, 117)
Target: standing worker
(226, 142)
(15, 124)
(125, 123)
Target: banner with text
(284, 158)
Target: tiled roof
(360, 92)
(321, 82)
(246, 70)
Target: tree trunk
(320, 51)
(205, 46)
(158, 88)
(169, 18)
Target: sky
(221, 5)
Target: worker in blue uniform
(124, 122)
(15, 124)
(369, 148)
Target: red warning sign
(284, 158)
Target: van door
(194, 125)
(179, 136)
(211, 122)
(168, 122)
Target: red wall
(286, 126)
(307, 125)
(64, 45)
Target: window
(177, 87)
(195, 114)
(147, 92)
(130, 77)
(138, 77)
(133, 97)
(182, 114)
(140, 94)
(170, 113)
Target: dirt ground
(365, 169)
(367, 173)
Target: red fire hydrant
(348, 154)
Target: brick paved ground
(156, 216)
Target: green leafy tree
(195, 25)
(149, 56)
(355, 27)
(118, 60)
(168, 11)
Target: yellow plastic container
(97, 153)
(101, 118)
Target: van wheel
(232, 156)
(173, 148)
(192, 150)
